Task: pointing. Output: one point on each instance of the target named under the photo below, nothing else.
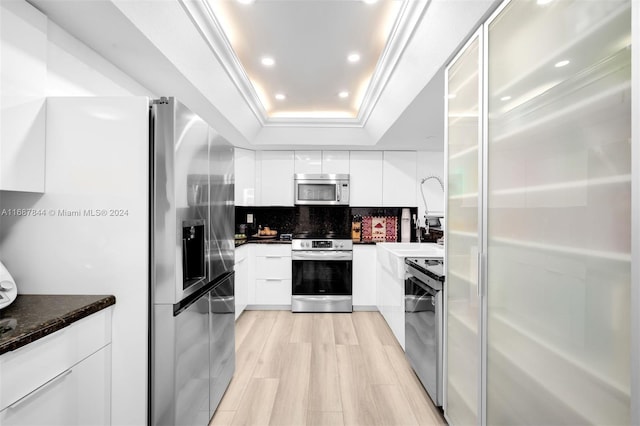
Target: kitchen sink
(414, 249)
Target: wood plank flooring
(321, 370)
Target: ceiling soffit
(202, 15)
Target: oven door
(321, 273)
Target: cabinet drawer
(31, 366)
(269, 267)
(273, 292)
(79, 396)
(272, 250)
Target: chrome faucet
(426, 208)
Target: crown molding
(203, 18)
(404, 27)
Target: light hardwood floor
(321, 369)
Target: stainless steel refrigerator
(192, 340)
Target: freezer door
(180, 200)
(222, 354)
(180, 364)
(221, 213)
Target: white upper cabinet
(308, 162)
(245, 175)
(331, 162)
(23, 51)
(399, 179)
(275, 170)
(335, 162)
(365, 168)
(275, 181)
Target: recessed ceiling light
(562, 64)
(505, 98)
(280, 96)
(353, 57)
(343, 94)
(370, 1)
(543, 2)
(245, 1)
(267, 61)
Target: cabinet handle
(481, 272)
(273, 257)
(273, 279)
(41, 387)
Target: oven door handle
(321, 255)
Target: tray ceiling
(179, 48)
(308, 62)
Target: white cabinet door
(555, 293)
(273, 291)
(390, 289)
(399, 183)
(464, 147)
(241, 268)
(365, 168)
(364, 275)
(335, 162)
(332, 162)
(245, 176)
(276, 178)
(23, 74)
(308, 162)
(69, 385)
(78, 396)
(272, 284)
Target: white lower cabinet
(242, 268)
(62, 379)
(364, 276)
(272, 285)
(390, 290)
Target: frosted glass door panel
(559, 213)
(463, 140)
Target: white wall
(58, 255)
(73, 69)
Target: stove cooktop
(430, 266)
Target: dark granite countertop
(37, 315)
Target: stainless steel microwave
(321, 189)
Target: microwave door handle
(338, 189)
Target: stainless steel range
(322, 275)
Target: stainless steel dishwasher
(424, 322)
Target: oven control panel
(321, 245)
